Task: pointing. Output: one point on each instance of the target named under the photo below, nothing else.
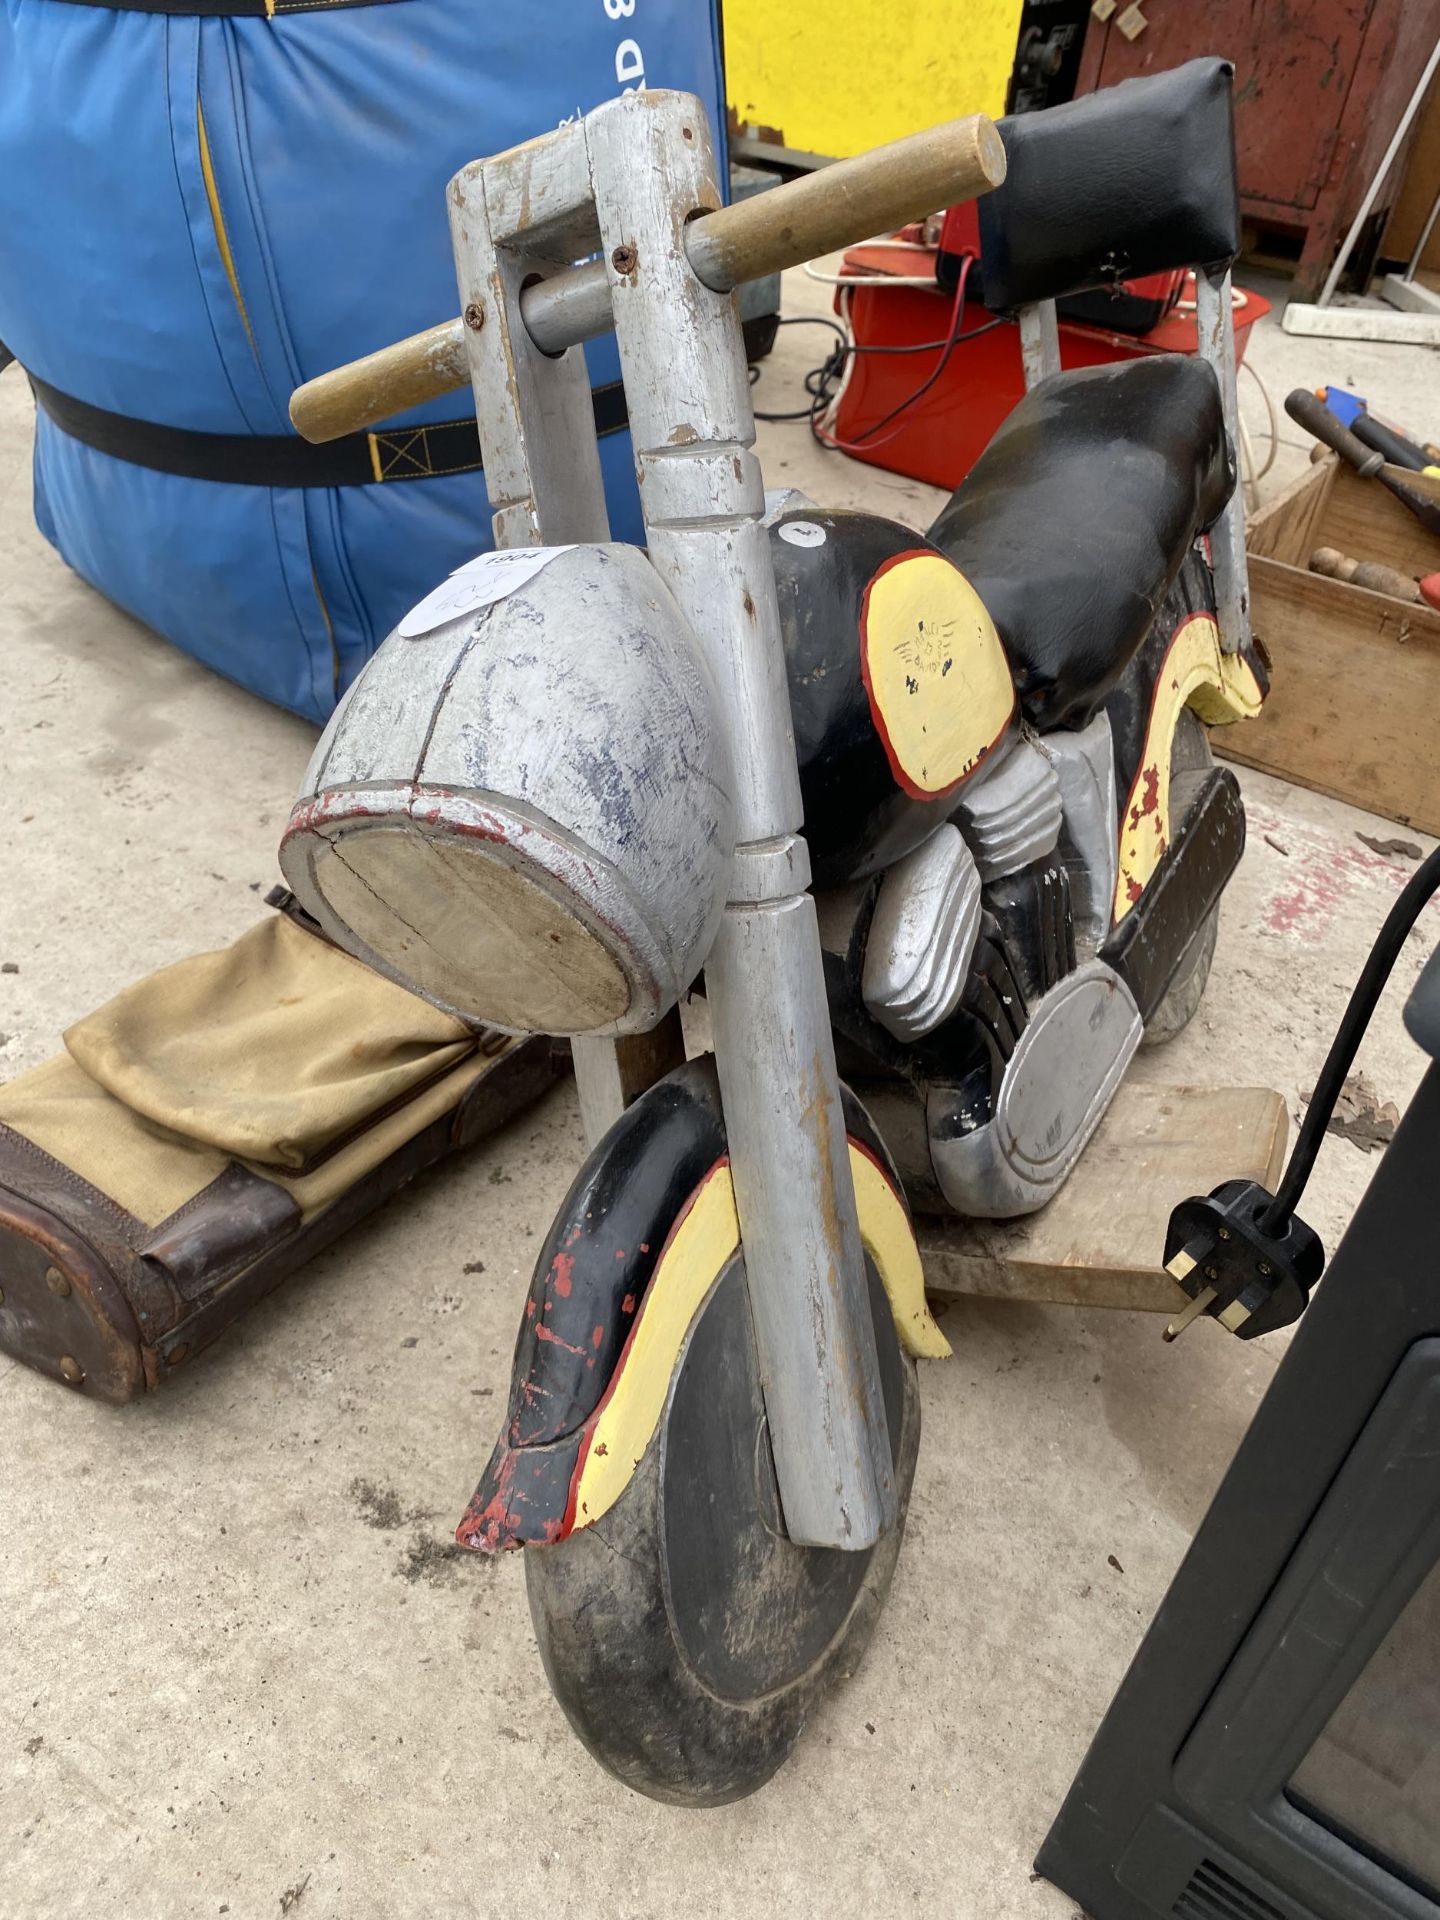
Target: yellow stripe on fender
(1196, 672)
(704, 1240)
(890, 1242)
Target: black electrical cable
(802, 413)
(813, 320)
(956, 339)
(1418, 890)
(820, 381)
(804, 320)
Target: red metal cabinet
(1319, 88)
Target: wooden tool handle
(832, 207)
(1313, 414)
(1370, 574)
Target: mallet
(1316, 418)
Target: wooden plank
(1355, 689)
(1100, 1241)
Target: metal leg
(689, 399)
(1425, 232)
(1387, 160)
(1039, 342)
(1404, 290)
(542, 459)
(537, 428)
(609, 1074)
(1216, 320)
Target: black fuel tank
(899, 685)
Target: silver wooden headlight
(525, 814)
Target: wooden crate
(1356, 679)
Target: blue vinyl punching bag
(205, 202)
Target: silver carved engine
(1080, 1038)
(922, 936)
(1040, 798)
(1010, 813)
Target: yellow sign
(837, 81)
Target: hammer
(1312, 414)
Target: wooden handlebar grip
(401, 375)
(833, 207)
(845, 202)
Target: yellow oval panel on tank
(940, 689)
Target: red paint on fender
(562, 1271)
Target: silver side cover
(1010, 812)
(1089, 836)
(917, 952)
(1081, 1037)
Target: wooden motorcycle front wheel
(687, 1639)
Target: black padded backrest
(1136, 179)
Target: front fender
(649, 1224)
(591, 1275)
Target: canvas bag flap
(274, 1050)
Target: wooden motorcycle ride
(862, 786)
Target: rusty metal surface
(1295, 61)
(1319, 88)
(86, 1319)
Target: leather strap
(237, 1219)
(284, 459)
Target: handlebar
(836, 206)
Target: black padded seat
(1074, 522)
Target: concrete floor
(238, 1660)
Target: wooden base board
(1100, 1241)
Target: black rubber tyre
(1190, 756)
(686, 1637)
